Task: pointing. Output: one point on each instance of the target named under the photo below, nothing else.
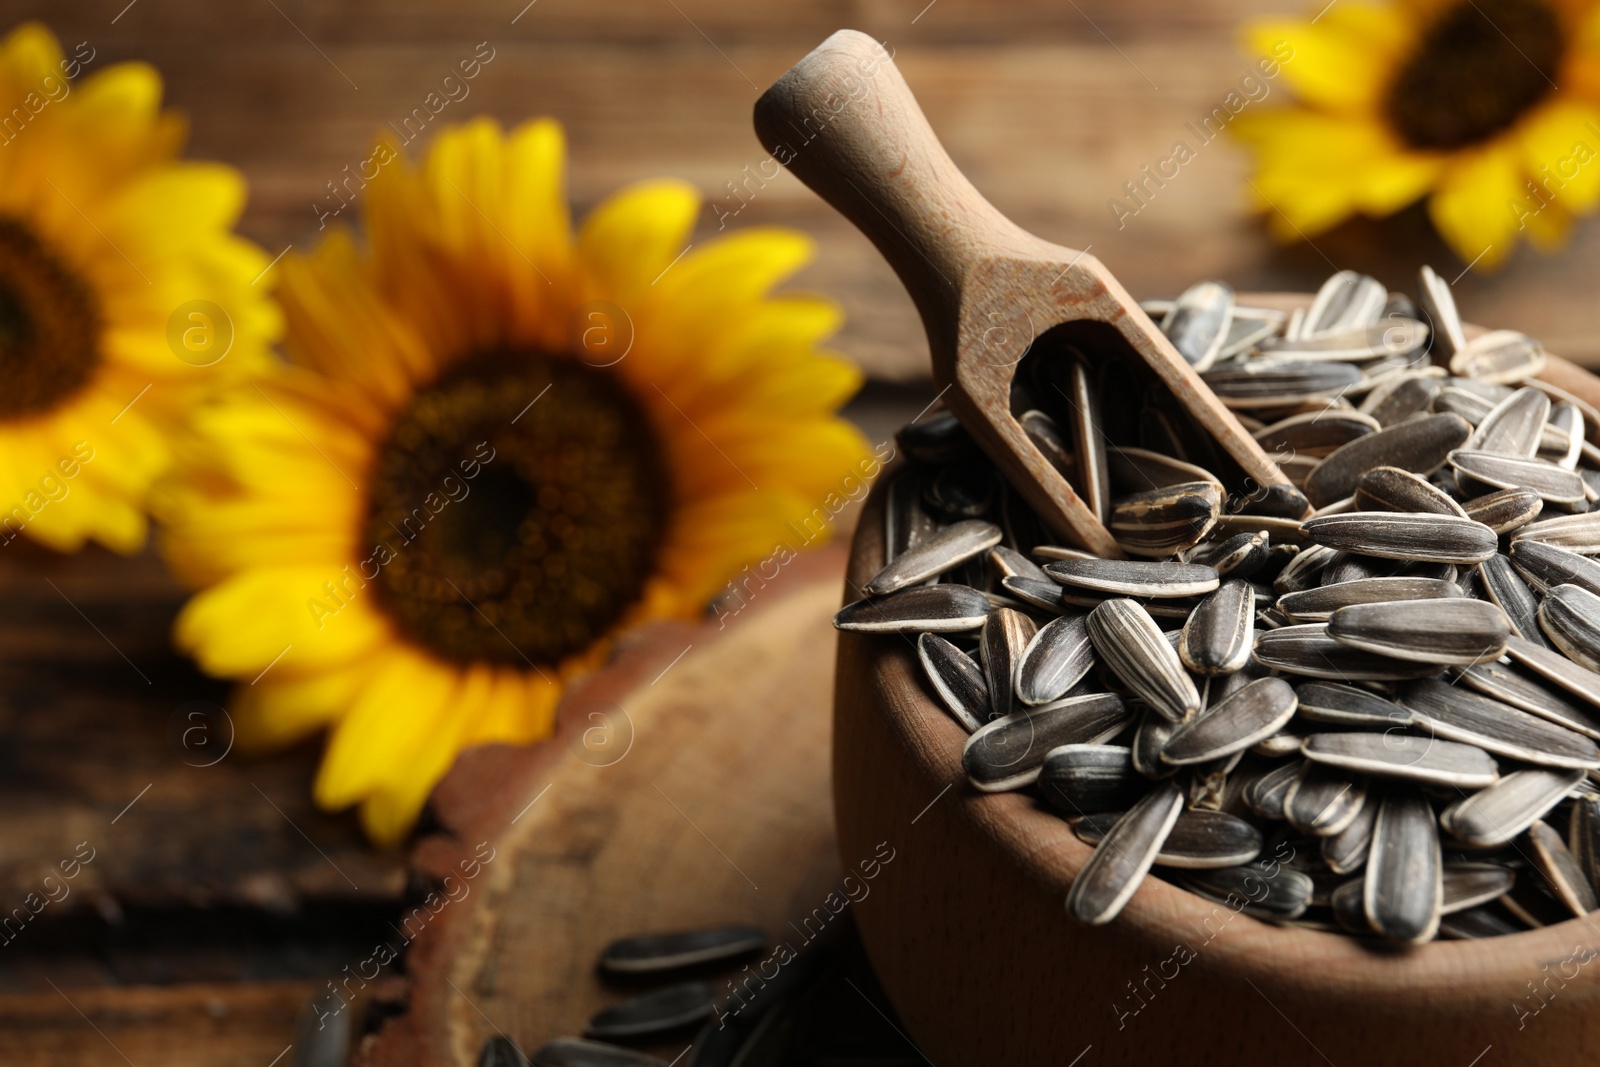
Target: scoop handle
(846, 124)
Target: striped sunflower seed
(1545, 565)
(1255, 712)
(1505, 510)
(1570, 617)
(1561, 870)
(1005, 634)
(1346, 850)
(1197, 324)
(1134, 470)
(1199, 840)
(1135, 578)
(1396, 755)
(1354, 344)
(1314, 432)
(1058, 658)
(1240, 556)
(1317, 605)
(958, 681)
(1087, 779)
(1308, 651)
(1580, 533)
(1348, 906)
(1393, 489)
(1458, 714)
(660, 953)
(1347, 705)
(1500, 357)
(1045, 594)
(948, 548)
(932, 608)
(1164, 522)
(1346, 300)
(1089, 443)
(1127, 640)
(1438, 306)
(1047, 437)
(1523, 689)
(1467, 885)
(654, 1012)
(1122, 859)
(1323, 800)
(1404, 888)
(1554, 667)
(1419, 538)
(1555, 485)
(1455, 630)
(1401, 396)
(1265, 384)
(1009, 563)
(1219, 634)
(1148, 741)
(1505, 587)
(1304, 570)
(1008, 752)
(1266, 793)
(1282, 894)
(1419, 446)
(1514, 425)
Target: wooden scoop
(845, 122)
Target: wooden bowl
(968, 932)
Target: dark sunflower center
(522, 500)
(48, 326)
(1475, 71)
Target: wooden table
(219, 899)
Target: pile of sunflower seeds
(1379, 720)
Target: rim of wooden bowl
(1162, 914)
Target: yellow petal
(1341, 60)
(632, 237)
(1472, 207)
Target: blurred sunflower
(122, 291)
(500, 443)
(1491, 108)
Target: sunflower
(122, 291)
(498, 444)
(1490, 108)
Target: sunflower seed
(1047, 437)
(1346, 850)
(1255, 712)
(1455, 630)
(1583, 836)
(1420, 447)
(1505, 510)
(1164, 522)
(1124, 856)
(1197, 324)
(1198, 840)
(1219, 634)
(1134, 577)
(1500, 357)
(1545, 565)
(1392, 535)
(656, 953)
(1287, 891)
(1314, 432)
(1267, 384)
(1305, 569)
(1308, 650)
(1521, 689)
(1250, 326)
(932, 608)
(1438, 305)
(1504, 587)
(1040, 594)
(1284, 532)
(654, 1012)
(1400, 397)
(1404, 889)
(1127, 640)
(1494, 816)
(1086, 779)
(1240, 556)
(497, 1051)
(1396, 755)
(1346, 901)
(1580, 533)
(1561, 870)
(1554, 667)
(1009, 563)
(1283, 743)
(575, 1052)
(1467, 885)
(1089, 442)
(1134, 470)
(1392, 489)
(1513, 426)
(1352, 344)
(1055, 660)
(1460, 715)
(1148, 741)
(1266, 793)
(1349, 706)
(1555, 485)
(1570, 617)
(1317, 605)
(1476, 923)
(1323, 800)
(948, 548)
(1567, 420)
(1346, 300)
(1007, 753)
(958, 681)
(1005, 634)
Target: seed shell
(1416, 538)
(1058, 658)
(1252, 714)
(1396, 755)
(1404, 889)
(654, 1012)
(658, 953)
(1458, 714)
(1127, 640)
(1199, 840)
(1307, 650)
(1505, 510)
(1113, 577)
(1323, 800)
(1570, 618)
(958, 681)
(1561, 870)
(1219, 634)
(1122, 859)
(931, 608)
(947, 549)
(1008, 752)
(1420, 447)
(1455, 630)
(1086, 779)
